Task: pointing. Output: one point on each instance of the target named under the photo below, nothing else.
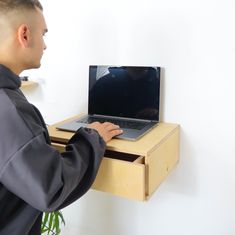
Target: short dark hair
(8, 5)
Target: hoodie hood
(8, 79)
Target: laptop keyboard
(122, 123)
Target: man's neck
(10, 66)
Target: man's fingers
(110, 126)
(116, 132)
(107, 130)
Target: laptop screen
(125, 91)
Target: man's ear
(23, 35)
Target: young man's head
(22, 27)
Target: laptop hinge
(123, 118)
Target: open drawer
(120, 174)
(135, 169)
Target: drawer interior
(121, 156)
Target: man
(34, 177)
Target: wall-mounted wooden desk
(28, 84)
(132, 169)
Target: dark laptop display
(127, 95)
(131, 92)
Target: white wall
(194, 41)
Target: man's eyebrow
(45, 30)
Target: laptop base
(128, 134)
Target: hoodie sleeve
(49, 180)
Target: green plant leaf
(57, 223)
(61, 217)
(51, 222)
(45, 219)
(44, 230)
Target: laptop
(128, 96)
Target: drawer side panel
(161, 161)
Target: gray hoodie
(35, 177)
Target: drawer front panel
(119, 177)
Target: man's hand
(106, 130)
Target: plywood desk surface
(143, 146)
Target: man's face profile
(21, 38)
(36, 42)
